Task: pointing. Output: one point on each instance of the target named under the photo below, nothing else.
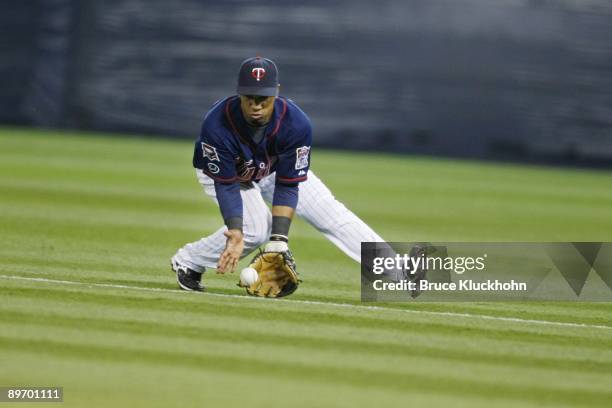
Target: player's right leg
(192, 260)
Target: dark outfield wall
(477, 78)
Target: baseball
(248, 276)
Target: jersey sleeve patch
(213, 168)
(301, 157)
(210, 152)
(214, 159)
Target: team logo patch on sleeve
(210, 152)
(301, 157)
(214, 169)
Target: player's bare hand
(233, 249)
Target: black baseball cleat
(187, 278)
(420, 271)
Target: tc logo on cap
(258, 76)
(258, 73)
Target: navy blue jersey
(226, 152)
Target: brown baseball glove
(277, 275)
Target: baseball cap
(258, 76)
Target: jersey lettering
(245, 169)
(263, 171)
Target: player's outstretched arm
(230, 203)
(281, 221)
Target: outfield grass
(85, 211)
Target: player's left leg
(319, 207)
(341, 226)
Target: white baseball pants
(316, 205)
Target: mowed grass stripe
(589, 313)
(319, 360)
(374, 349)
(324, 332)
(97, 228)
(396, 363)
(150, 188)
(313, 374)
(202, 305)
(244, 321)
(36, 220)
(353, 360)
(155, 388)
(110, 273)
(102, 200)
(174, 342)
(598, 315)
(247, 334)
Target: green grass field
(97, 219)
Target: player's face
(257, 110)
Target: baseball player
(255, 148)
